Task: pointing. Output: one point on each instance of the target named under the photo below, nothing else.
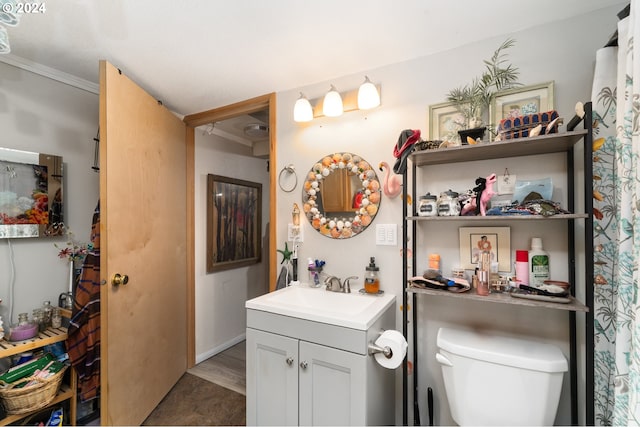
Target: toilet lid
(503, 350)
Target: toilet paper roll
(398, 345)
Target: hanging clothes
(83, 342)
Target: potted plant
(473, 100)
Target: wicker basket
(33, 397)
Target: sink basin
(353, 310)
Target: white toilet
(495, 380)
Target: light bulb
(302, 111)
(368, 96)
(332, 105)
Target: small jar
(428, 205)
(448, 204)
(56, 318)
(23, 319)
(434, 261)
(46, 313)
(38, 318)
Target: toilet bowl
(497, 380)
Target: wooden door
(143, 236)
(272, 379)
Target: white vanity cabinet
(302, 372)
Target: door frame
(192, 121)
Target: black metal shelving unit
(554, 143)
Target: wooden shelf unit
(46, 337)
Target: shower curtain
(616, 170)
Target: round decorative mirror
(341, 195)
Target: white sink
(351, 310)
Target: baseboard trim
(220, 348)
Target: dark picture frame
(234, 223)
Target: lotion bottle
(538, 263)
(522, 267)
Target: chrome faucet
(335, 285)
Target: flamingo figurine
(392, 185)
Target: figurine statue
(487, 193)
(392, 184)
(483, 193)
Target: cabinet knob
(289, 360)
(304, 364)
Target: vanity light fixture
(334, 103)
(368, 96)
(302, 111)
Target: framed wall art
(234, 218)
(522, 101)
(445, 121)
(496, 240)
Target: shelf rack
(521, 147)
(46, 337)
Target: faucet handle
(347, 287)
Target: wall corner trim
(50, 73)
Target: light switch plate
(386, 234)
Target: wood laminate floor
(226, 369)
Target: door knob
(304, 364)
(119, 279)
(289, 360)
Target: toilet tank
(498, 380)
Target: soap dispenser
(371, 280)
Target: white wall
(220, 297)
(563, 52)
(42, 115)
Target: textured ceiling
(200, 54)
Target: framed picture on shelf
(445, 121)
(495, 240)
(234, 218)
(522, 101)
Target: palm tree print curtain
(616, 107)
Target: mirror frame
(51, 221)
(341, 226)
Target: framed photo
(445, 121)
(234, 218)
(522, 101)
(496, 240)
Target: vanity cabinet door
(272, 379)
(332, 386)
